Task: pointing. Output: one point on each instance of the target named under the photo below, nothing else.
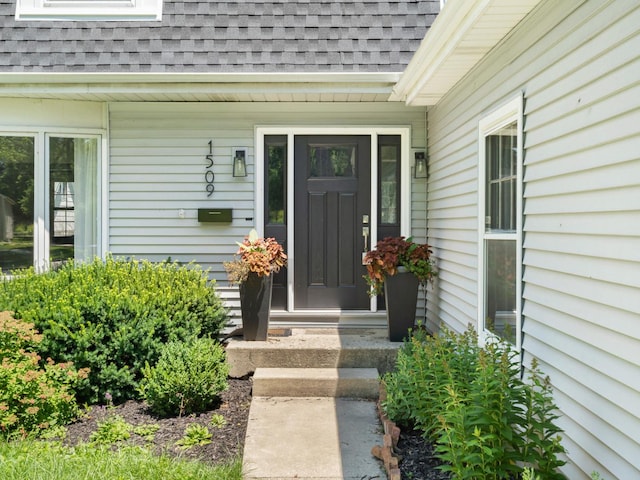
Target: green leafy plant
(188, 378)
(34, 395)
(485, 421)
(392, 253)
(262, 256)
(113, 316)
(194, 435)
(529, 474)
(147, 431)
(217, 420)
(111, 430)
(541, 436)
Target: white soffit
(463, 33)
(200, 87)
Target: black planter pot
(401, 295)
(255, 304)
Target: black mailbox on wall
(215, 215)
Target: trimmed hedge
(188, 378)
(114, 316)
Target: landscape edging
(387, 451)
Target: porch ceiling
(463, 33)
(173, 87)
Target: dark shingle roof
(225, 36)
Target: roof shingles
(225, 36)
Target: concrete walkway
(312, 438)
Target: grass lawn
(35, 460)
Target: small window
(332, 161)
(150, 10)
(500, 224)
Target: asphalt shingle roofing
(225, 36)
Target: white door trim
(291, 132)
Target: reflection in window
(16, 202)
(501, 180)
(276, 149)
(332, 161)
(73, 198)
(501, 288)
(388, 184)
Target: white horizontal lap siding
(452, 218)
(579, 69)
(157, 167)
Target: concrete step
(316, 382)
(314, 348)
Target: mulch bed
(226, 443)
(417, 458)
(417, 461)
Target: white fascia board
(443, 41)
(176, 78)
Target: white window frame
(41, 242)
(493, 122)
(121, 10)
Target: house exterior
(120, 129)
(150, 109)
(534, 201)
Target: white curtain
(85, 166)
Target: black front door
(332, 181)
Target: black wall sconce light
(239, 163)
(420, 165)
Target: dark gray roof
(225, 36)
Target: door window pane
(73, 198)
(332, 160)
(16, 202)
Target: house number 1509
(209, 176)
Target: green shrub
(188, 378)
(485, 421)
(33, 398)
(113, 316)
(424, 367)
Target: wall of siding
(578, 65)
(157, 167)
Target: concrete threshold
(312, 438)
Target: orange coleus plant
(259, 255)
(391, 253)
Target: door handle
(365, 235)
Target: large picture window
(49, 200)
(500, 224)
